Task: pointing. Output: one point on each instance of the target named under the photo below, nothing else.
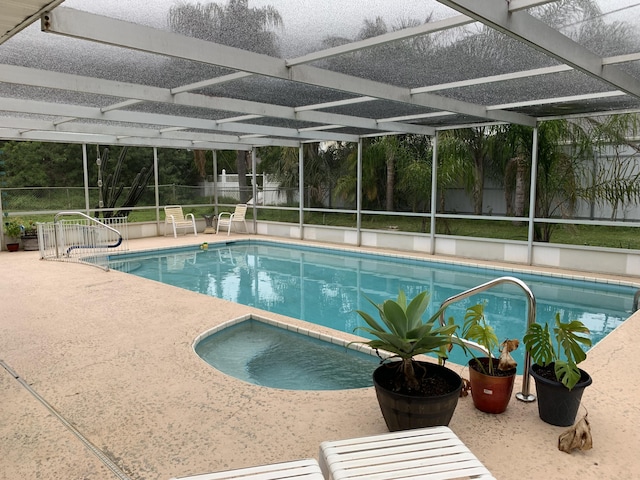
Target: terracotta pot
(491, 394)
(13, 247)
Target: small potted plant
(555, 356)
(491, 378)
(413, 393)
(12, 232)
(30, 236)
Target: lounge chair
(425, 453)
(173, 216)
(226, 219)
(307, 469)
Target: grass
(587, 235)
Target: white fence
(82, 240)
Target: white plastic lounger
(307, 469)
(434, 453)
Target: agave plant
(566, 353)
(403, 333)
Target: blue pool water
(274, 357)
(326, 286)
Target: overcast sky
(308, 19)
(306, 22)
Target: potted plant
(491, 378)
(30, 236)
(555, 356)
(412, 393)
(12, 232)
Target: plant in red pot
(12, 231)
(559, 382)
(491, 378)
(413, 393)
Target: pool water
(326, 286)
(273, 357)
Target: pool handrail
(524, 395)
(90, 219)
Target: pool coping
(113, 354)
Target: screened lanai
(151, 74)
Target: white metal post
(85, 172)
(434, 194)
(301, 190)
(359, 196)
(532, 195)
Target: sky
(306, 20)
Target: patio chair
(174, 216)
(226, 219)
(425, 453)
(307, 469)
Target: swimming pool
(325, 286)
(272, 356)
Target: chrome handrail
(636, 299)
(524, 395)
(97, 222)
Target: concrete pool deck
(112, 354)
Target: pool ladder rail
(524, 395)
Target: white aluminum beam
(17, 15)
(94, 113)
(535, 33)
(424, 29)
(137, 93)
(180, 138)
(76, 24)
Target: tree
(37, 164)
(111, 186)
(468, 148)
(235, 25)
(282, 164)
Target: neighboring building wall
(268, 194)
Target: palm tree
(470, 146)
(235, 25)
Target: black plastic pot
(404, 412)
(557, 404)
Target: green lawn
(601, 236)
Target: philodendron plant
(477, 329)
(564, 348)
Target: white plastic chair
(226, 219)
(307, 469)
(425, 453)
(174, 216)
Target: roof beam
(138, 93)
(43, 130)
(76, 24)
(94, 113)
(405, 33)
(19, 15)
(531, 31)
